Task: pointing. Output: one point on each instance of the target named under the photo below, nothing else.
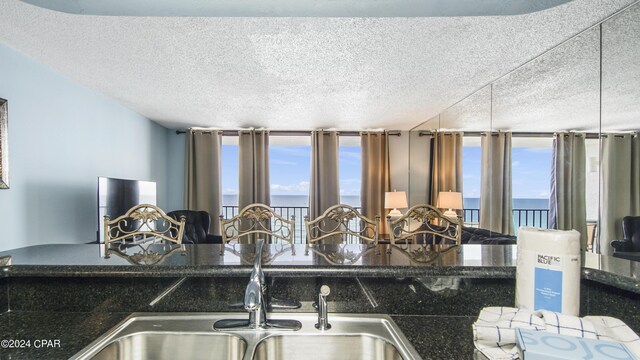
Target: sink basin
(191, 336)
(187, 336)
(170, 346)
(323, 347)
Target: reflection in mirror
(247, 254)
(434, 227)
(621, 71)
(419, 253)
(554, 96)
(473, 116)
(420, 161)
(470, 114)
(149, 253)
(342, 254)
(556, 91)
(545, 101)
(531, 159)
(620, 157)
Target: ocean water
(528, 204)
(526, 212)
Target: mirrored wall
(620, 149)
(572, 114)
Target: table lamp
(395, 200)
(450, 200)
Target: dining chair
(144, 223)
(257, 221)
(342, 224)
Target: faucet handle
(322, 295)
(323, 313)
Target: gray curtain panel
(202, 185)
(324, 189)
(376, 178)
(446, 163)
(253, 168)
(253, 176)
(620, 185)
(567, 206)
(496, 211)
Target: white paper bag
(548, 270)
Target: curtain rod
(295, 133)
(513, 134)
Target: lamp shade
(450, 200)
(395, 200)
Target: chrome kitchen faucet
(255, 303)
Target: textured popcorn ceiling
(621, 71)
(558, 91)
(289, 73)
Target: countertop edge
(244, 270)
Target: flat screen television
(116, 196)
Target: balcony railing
(521, 217)
(531, 217)
(286, 212)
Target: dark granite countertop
(74, 331)
(467, 261)
(434, 337)
(92, 294)
(438, 324)
(76, 311)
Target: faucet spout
(252, 298)
(255, 303)
(254, 293)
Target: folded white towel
(558, 323)
(494, 332)
(612, 329)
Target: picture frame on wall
(4, 145)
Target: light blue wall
(62, 136)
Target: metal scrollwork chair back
(429, 225)
(142, 224)
(344, 223)
(256, 220)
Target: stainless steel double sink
(162, 336)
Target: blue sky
(531, 172)
(230, 169)
(290, 169)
